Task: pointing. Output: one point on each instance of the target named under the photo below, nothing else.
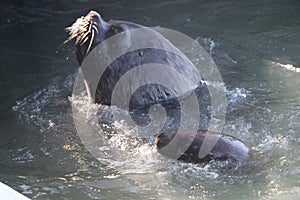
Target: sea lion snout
(94, 35)
(89, 31)
(92, 29)
(93, 13)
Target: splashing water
(141, 170)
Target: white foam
(207, 43)
(237, 94)
(289, 67)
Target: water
(255, 45)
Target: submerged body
(226, 147)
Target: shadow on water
(252, 44)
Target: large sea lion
(91, 30)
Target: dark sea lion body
(148, 94)
(226, 147)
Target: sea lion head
(89, 31)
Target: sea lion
(91, 30)
(226, 147)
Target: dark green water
(252, 42)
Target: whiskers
(83, 29)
